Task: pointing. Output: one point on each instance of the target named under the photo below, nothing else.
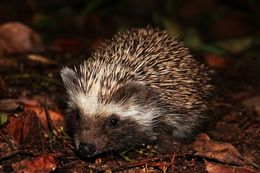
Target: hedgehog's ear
(68, 76)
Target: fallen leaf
(225, 156)
(37, 100)
(236, 45)
(172, 27)
(56, 117)
(220, 151)
(41, 59)
(3, 118)
(7, 144)
(193, 40)
(253, 102)
(16, 37)
(9, 105)
(7, 62)
(38, 164)
(2, 83)
(213, 145)
(13, 104)
(25, 129)
(217, 168)
(216, 61)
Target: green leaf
(213, 49)
(3, 118)
(236, 45)
(193, 40)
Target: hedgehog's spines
(145, 76)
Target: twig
(15, 152)
(172, 163)
(28, 75)
(50, 125)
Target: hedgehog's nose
(86, 149)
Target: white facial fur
(89, 104)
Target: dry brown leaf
(37, 100)
(217, 168)
(210, 145)
(16, 37)
(14, 104)
(41, 59)
(225, 156)
(2, 84)
(56, 117)
(216, 61)
(9, 104)
(8, 62)
(221, 151)
(38, 164)
(253, 102)
(34, 105)
(25, 129)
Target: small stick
(172, 162)
(14, 152)
(50, 125)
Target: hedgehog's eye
(114, 122)
(77, 113)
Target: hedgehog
(141, 86)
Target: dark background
(213, 19)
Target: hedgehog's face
(104, 133)
(97, 126)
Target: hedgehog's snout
(86, 149)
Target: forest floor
(33, 134)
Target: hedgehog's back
(156, 59)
